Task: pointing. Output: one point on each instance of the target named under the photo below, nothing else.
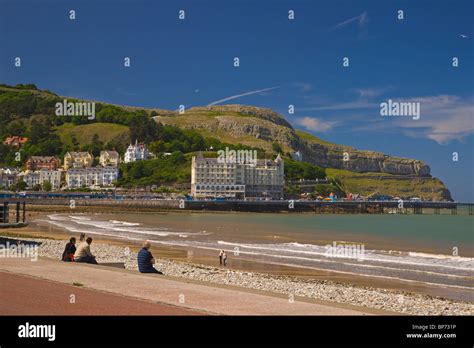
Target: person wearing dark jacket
(69, 250)
(145, 260)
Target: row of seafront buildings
(77, 170)
(210, 177)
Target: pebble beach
(293, 287)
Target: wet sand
(173, 221)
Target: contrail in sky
(362, 20)
(242, 95)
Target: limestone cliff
(261, 127)
(346, 157)
(365, 172)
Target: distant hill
(367, 172)
(261, 127)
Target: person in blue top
(146, 260)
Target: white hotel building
(213, 178)
(91, 177)
(136, 152)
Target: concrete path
(24, 295)
(186, 294)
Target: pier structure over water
(18, 206)
(270, 206)
(342, 207)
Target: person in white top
(221, 253)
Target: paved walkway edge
(183, 293)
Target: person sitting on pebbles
(83, 252)
(145, 260)
(69, 250)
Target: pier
(271, 206)
(18, 206)
(342, 207)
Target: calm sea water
(436, 250)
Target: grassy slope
(313, 139)
(40, 93)
(85, 132)
(207, 117)
(369, 183)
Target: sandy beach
(187, 262)
(197, 237)
(285, 282)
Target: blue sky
(190, 62)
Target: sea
(431, 250)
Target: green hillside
(369, 184)
(28, 111)
(84, 134)
(313, 139)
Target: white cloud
(372, 92)
(242, 95)
(303, 86)
(443, 118)
(358, 104)
(314, 124)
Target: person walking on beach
(69, 250)
(83, 252)
(221, 253)
(224, 258)
(145, 260)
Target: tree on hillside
(96, 145)
(16, 127)
(137, 170)
(4, 151)
(16, 104)
(295, 170)
(50, 147)
(75, 142)
(27, 86)
(143, 128)
(337, 182)
(40, 128)
(277, 148)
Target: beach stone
(414, 304)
